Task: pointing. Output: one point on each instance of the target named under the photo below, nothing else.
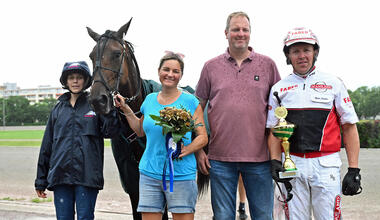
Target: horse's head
(113, 65)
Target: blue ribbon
(173, 151)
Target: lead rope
(285, 199)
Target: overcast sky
(38, 36)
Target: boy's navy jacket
(72, 149)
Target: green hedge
(369, 133)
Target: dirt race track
(17, 174)
(18, 170)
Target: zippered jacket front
(72, 149)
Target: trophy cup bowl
(284, 130)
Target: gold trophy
(284, 130)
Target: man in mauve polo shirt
(237, 84)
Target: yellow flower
(184, 115)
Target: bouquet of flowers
(176, 121)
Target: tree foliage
(366, 102)
(42, 110)
(369, 132)
(18, 111)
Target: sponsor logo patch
(74, 65)
(288, 88)
(90, 114)
(347, 100)
(320, 87)
(337, 211)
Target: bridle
(98, 65)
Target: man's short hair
(236, 14)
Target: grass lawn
(21, 143)
(24, 138)
(22, 134)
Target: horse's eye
(117, 54)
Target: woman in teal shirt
(153, 197)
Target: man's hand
(202, 161)
(276, 167)
(351, 182)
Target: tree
(2, 110)
(366, 101)
(41, 110)
(18, 111)
(358, 100)
(373, 102)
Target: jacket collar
(66, 96)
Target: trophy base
(288, 174)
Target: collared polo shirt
(237, 106)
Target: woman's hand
(134, 122)
(184, 151)
(41, 193)
(119, 101)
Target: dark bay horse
(115, 70)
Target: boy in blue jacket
(71, 157)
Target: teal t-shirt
(155, 155)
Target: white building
(34, 95)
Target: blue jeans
(66, 197)
(258, 184)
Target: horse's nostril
(99, 103)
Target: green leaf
(155, 117)
(176, 137)
(166, 129)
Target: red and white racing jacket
(317, 104)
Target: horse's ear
(93, 34)
(123, 30)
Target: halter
(98, 65)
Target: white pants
(317, 188)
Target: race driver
(320, 107)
